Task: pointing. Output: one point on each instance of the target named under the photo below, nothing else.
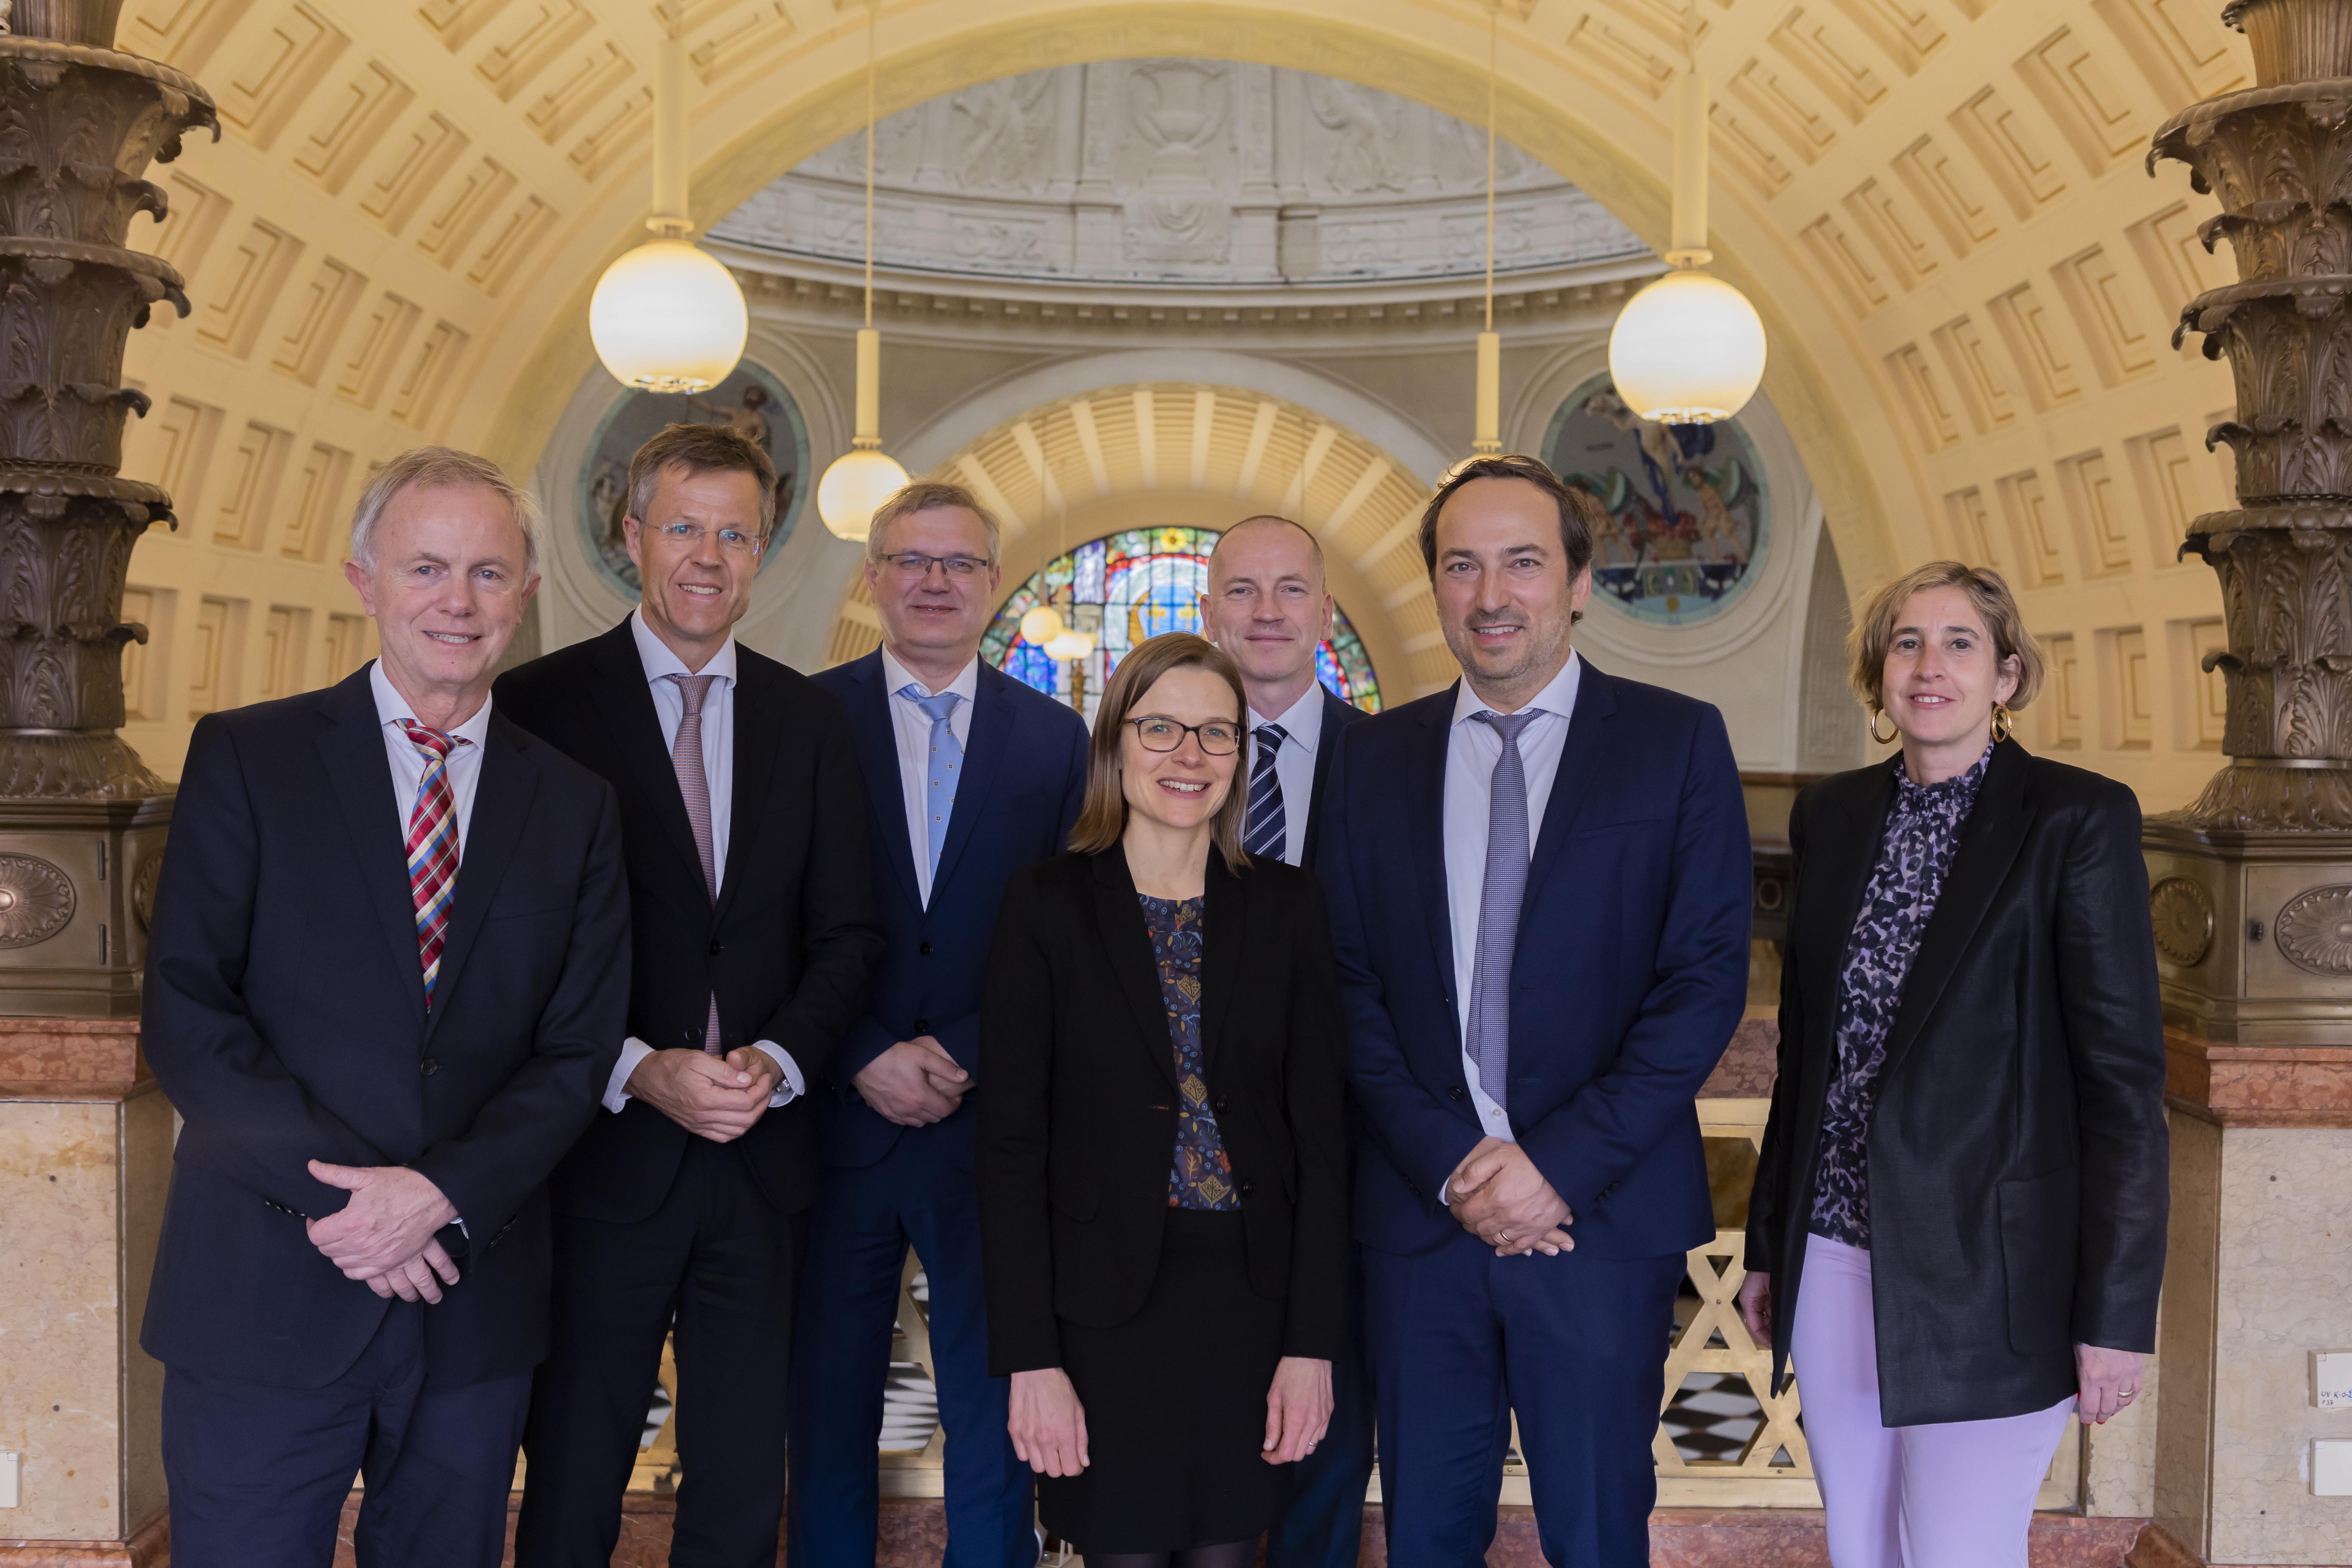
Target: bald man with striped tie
(1269, 607)
(387, 979)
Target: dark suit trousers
(1575, 1344)
(1324, 1525)
(718, 1257)
(258, 1475)
(921, 1194)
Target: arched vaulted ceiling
(1935, 204)
(1142, 456)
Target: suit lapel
(759, 732)
(1426, 831)
(1990, 841)
(624, 697)
(876, 737)
(502, 800)
(1587, 743)
(350, 744)
(991, 726)
(1337, 716)
(1225, 916)
(1118, 921)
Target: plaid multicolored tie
(432, 846)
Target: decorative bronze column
(81, 819)
(2253, 895)
(2251, 886)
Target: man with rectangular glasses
(989, 775)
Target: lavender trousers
(1953, 1494)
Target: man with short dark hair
(988, 777)
(1572, 850)
(385, 983)
(1268, 606)
(686, 1202)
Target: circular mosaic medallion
(37, 900)
(1690, 517)
(2183, 918)
(2315, 930)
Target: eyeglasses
(961, 568)
(733, 540)
(1218, 737)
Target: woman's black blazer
(1077, 1096)
(2018, 1161)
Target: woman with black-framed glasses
(1162, 1162)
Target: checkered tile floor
(1712, 1415)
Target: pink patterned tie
(432, 846)
(686, 756)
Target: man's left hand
(388, 1224)
(1499, 1196)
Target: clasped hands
(1501, 1198)
(914, 1083)
(717, 1097)
(385, 1236)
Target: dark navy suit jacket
(1337, 716)
(1025, 776)
(1630, 973)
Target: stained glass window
(1129, 586)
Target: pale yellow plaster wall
(1934, 202)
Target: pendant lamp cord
(873, 22)
(1494, 21)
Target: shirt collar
(1959, 786)
(1302, 721)
(1560, 697)
(661, 663)
(391, 708)
(897, 677)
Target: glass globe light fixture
(1040, 626)
(667, 317)
(1071, 644)
(854, 487)
(862, 479)
(1687, 350)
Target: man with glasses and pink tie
(686, 1202)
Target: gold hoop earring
(2000, 721)
(1885, 740)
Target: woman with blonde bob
(1161, 1160)
(1956, 1231)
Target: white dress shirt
(1471, 751)
(1294, 764)
(719, 772)
(463, 769)
(912, 728)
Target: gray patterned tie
(1498, 906)
(694, 785)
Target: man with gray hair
(385, 983)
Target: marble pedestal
(85, 1162)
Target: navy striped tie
(1266, 832)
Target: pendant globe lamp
(1689, 348)
(1488, 425)
(862, 479)
(668, 317)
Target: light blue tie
(946, 762)
(1498, 906)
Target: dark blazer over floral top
(1078, 1092)
(2017, 1159)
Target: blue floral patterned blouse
(1201, 1177)
(1923, 828)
